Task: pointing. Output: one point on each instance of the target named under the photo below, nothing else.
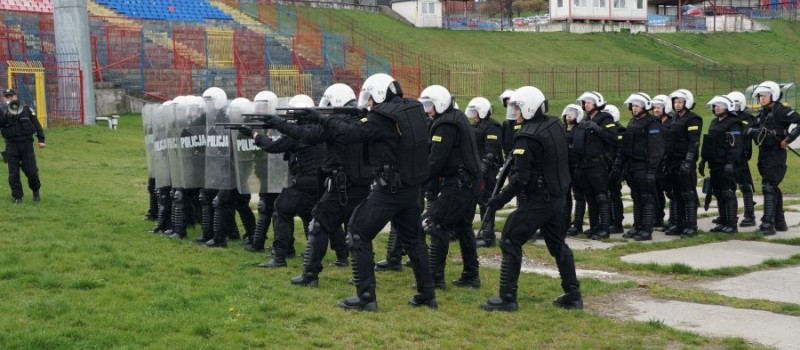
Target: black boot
(418, 256)
(637, 220)
(164, 220)
(571, 299)
(617, 211)
(604, 212)
(363, 275)
(648, 219)
(178, 222)
(394, 254)
(749, 219)
(440, 244)
(309, 277)
(342, 257)
(691, 217)
(207, 219)
(222, 224)
(278, 259)
(470, 276)
(509, 275)
(720, 221)
(767, 227)
(731, 209)
(152, 211)
(577, 224)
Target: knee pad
(178, 195)
(768, 188)
(602, 197)
(507, 246)
(314, 228)
(648, 198)
(215, 203)
(688, 196)
(353, 240)
(262, 206)
(728, 194)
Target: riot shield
(250, 162)
(149, 136)
(219, 160)
(160, 149)
(277, 167)
(169, 110)
(191, 121)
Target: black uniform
(615, 175)
(683, 136)
(299, 198)
(395, 132)
(662, 187)
(455, 164)
(347, 180)
(642, 150)
(507, 131)
(540, 182)
(594, 141)
(488, 137)
(574, 227)
(722, 148)
(17, 130)
(771, 127)
(743, 176)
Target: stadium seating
(172, 10)
(36, 6)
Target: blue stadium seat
(183, 10)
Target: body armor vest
(465, 153)
(551, 164)
(412, 131)
(678, 135)
(635, 138)
(720, 139)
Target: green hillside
(523, 49)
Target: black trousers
(20, 155)
(592, 181)
(295, 200)
(536, 213)
(772, 167)
(454, 211)
(380, 207)
(329, 214)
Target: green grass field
(79, 271)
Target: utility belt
(336, 182)
(462, 179)
(387, 179)
(779, 132)
(535, 190)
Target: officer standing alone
(18, 125)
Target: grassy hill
(522, 49)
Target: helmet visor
(363, 98)
(471, 112)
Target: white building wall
(422, 13)
(599, 10)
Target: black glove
(500, 200)
(701, 168)
(246, 131)
(615, 175)
(650, 178)
(591, 125)
(273, 121)
(686, 167)
(728, 170)
(486, 163)
(310, 115)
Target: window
(560, 3)
(619, 4)
(639, 4)
(428, 8)
(600, 3)
(580, 3)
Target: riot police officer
(743, 176)
(455, 165)
(770, 132)
(683, 135)
(347, 181)
(642, 149)
(397, 144)
(509, 127)
(594, 141)
(305, 162)
(722, 148)
(662, 109)
(18, 126)
(571, 117)
(615, 175)
(487, 136)
(540, 182)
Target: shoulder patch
(517, 127)
(491, 137)
(745, 122)
(519, 151)
(619, 137)
(609, 126)
(363, 120)
(693, 128)
(654, 131)
(436, 138)
(737, 132)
